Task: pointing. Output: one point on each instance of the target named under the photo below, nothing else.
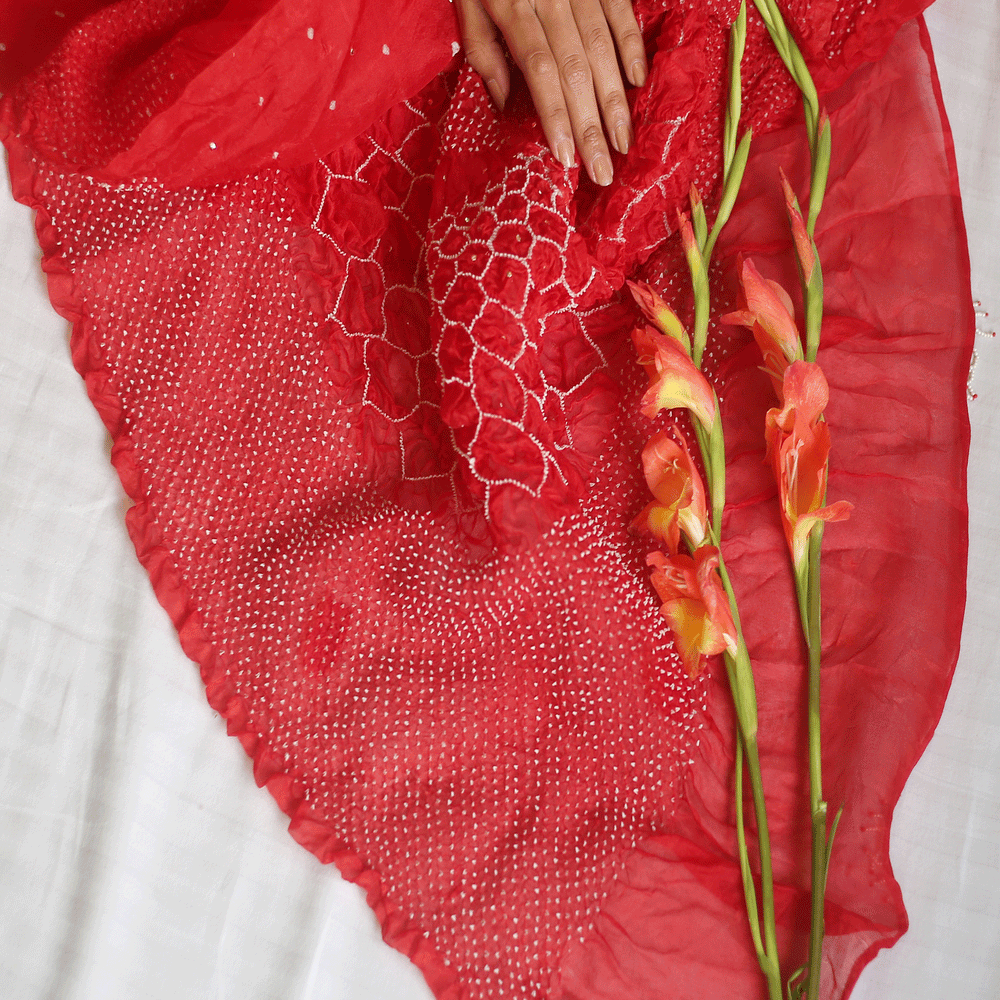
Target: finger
(628, 39)
(556, 17)
(482, 49)
(608, 86)
(530, 49)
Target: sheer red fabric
(363, 352)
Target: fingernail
(496, 92)
(638, 72)
(623, 138)
(600, 170)
(564, 153)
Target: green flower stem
(766, 949)
(737, 43)
(811, 623)
(699, 284)
(812, 627)
(731, 187)
(744, 693)
(769, 964)
(734, 161)
(821, 152)
(810, 610)
(749, 889)
(808, 576)
(713, 453)
(812, 295)
(738, 665)
(792, 58)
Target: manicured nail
(496, 92)
(564, 153)
(601, 171)
(623, 138)
(638, 72)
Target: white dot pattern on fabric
(409, 757)
(489, 732)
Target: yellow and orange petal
(798, 448)
(674, 380)
(659, 313)
(675, 482)
(694, 604)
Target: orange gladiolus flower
(767, 311)
(690, 244)
(659, 313)
(695, 604)
(804, 248)
(680, 494)
(798, 447)
(673, 378)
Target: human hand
(568, 51)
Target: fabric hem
(908, 764)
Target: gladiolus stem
(812, 293)
(741, 684)
(792, 58)
(811, 622)
(734, 162)
(699, 280)
(713, 454)
(810, 609)
(770, 969)
(808, 576)
(738, 664)
(749, 889)
(821, 151)
(733, 179)
(737, 43)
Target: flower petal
(839, 511)
(659, 313)
(767, 310)
(674, 380)
(806, 390)
(695, 604)
(663, 523)
(674, 480)
(804, 248)
(798, 448)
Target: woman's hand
(568, 51)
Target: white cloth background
(138, 860)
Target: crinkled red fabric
(363, 352)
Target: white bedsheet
(137, 857)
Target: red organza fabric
(363, 352)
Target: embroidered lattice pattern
(375, 694)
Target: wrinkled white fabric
(138, 858)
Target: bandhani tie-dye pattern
(364, 350)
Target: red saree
(362, 349)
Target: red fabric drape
(362, 349)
